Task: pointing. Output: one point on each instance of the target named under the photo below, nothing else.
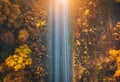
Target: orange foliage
(23, 35)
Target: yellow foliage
(22, 50)
(23, 55)
(17, 67)
(20, 59)
(28, 61)
(23, 35)
(115, 54)
(40, 23)
(117, 73)
(87, 11)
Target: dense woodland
(96, 49)
(96, 40)
(23, 29)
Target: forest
(95, 35)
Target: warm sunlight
(63, 1)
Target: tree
(9, 14)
